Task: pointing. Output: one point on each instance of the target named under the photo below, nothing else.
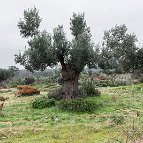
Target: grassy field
(119, 120)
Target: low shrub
(55, 94)
(122, 82)
(29, 80)
(112, 83)
(43, 102)
(15, 82)
(136, 88)
(104, 83)
(88, 89)
(78, 105)
(96, 93)
(26, 90)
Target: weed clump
(43, 102)
(118, 119)
(3, 98)
(1, 106)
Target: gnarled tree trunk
(70, 86)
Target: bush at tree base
(87, 88)
(79, 105)
(83, 92)
(55, 94)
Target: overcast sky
(100, 15)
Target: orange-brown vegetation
(26, 90)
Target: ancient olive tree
(45, 50)
(119, 51)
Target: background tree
(13, 70)
(119, 51)
(46, 50)
(139, 60)
(8, 73)
(4, 74)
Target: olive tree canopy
(47, 49)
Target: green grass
(20, 123)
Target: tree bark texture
(70, 86)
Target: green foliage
(111, 83)
(4, 75)
(29, 26)
(61, 45)
(137, 88)
(139, 58)
(77, 28)
(104, 83)
(42, 102)
(8, 73)
(119, 50)
(78, 105)
(39, 48)
(54, 49)
(82, 52)
(88, 88)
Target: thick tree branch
(61, 59)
